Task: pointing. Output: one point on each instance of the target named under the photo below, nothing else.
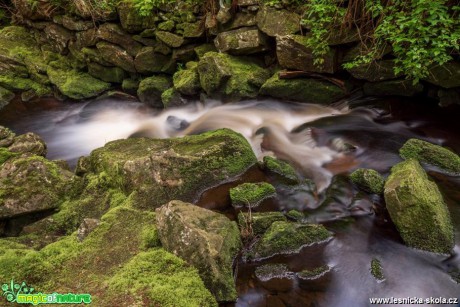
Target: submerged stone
(432, 154)
(160, 170)
(417, 208)
(313, 274)
(207, 240)
(251, 194)
(304, 90)
(369, 180)
(287, 238)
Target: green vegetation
(259, 221)
(251, 194)
(282, 169)
(314, 273)
(376, 269)
(422, 33)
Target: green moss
(251, 194)
(166, 25)
(23, 84)
(202, 49)
(287, 237)
(5, 97)
(171, 97)
(315, 273)
(170, 39)
(304, 90)
(417, 208)
(282, 169)
(431, 154)
(75, 84)
(187, 81)
(161, 278)
(5, 154)
(376, 269)
(150, 90)
(295, 215)
(369, 180)
(260, 221)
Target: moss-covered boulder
(277, 22)
(116, 56)
(6, 137)
(131, 20)
(180, 168)
(207, 240)
(376, 269)
(107, 74)
(30, 184)
(270, 271)
(251, 194)
(259, 222)
(113, 33)
(113, 268)
(376, 71)
(242, 41)
(187, 81)
(230, 77)
(171, 98)
(150, 90)
(150, 61)
(75, 84)
(431, 154)
(58, 36)
(170, 39)
(304, 90)
(417, 208)
(282, 170)
(5, 97)
(313, 273)
(287, 237)
(293, 53)
(29, 143)
(369, 180)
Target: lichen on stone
(314, 273)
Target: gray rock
(76, 25)
(242, 41)
(60, 36)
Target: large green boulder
(368, 180)
(207, 240)
(417, 208)
(304, 90)
(242, 41)
(180, 168)
(230, 77)
(187, 81)
(150, 90)
(131, 20)
(288, 238)
(30, 184)
(432, 154)
(150, 61)
(170, 39)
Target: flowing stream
(322, 143)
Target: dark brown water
(311, 138)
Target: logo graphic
(23, 294)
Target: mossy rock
(376, 269)
(283, 170)
(207, 240)
(171, 98)
(6, 137)
(160, 170)
(368, 180)
(30, 184)
(107, 263)
(5, 97)
(75, 84)
(131, 20)
(29, 143)
(5, 154)
(130, 86)
(230, 77)
(117, 56)
(303, 90)
(259, 221)
(314, 273)
(277, 22)
(270, 271)
(170, 39)
(251, 194)
(417, 208)
(150, 61)
(150, 90)
(187, 81)
(288, 238)
(107, 74)
(432, 154)
(295, 215)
